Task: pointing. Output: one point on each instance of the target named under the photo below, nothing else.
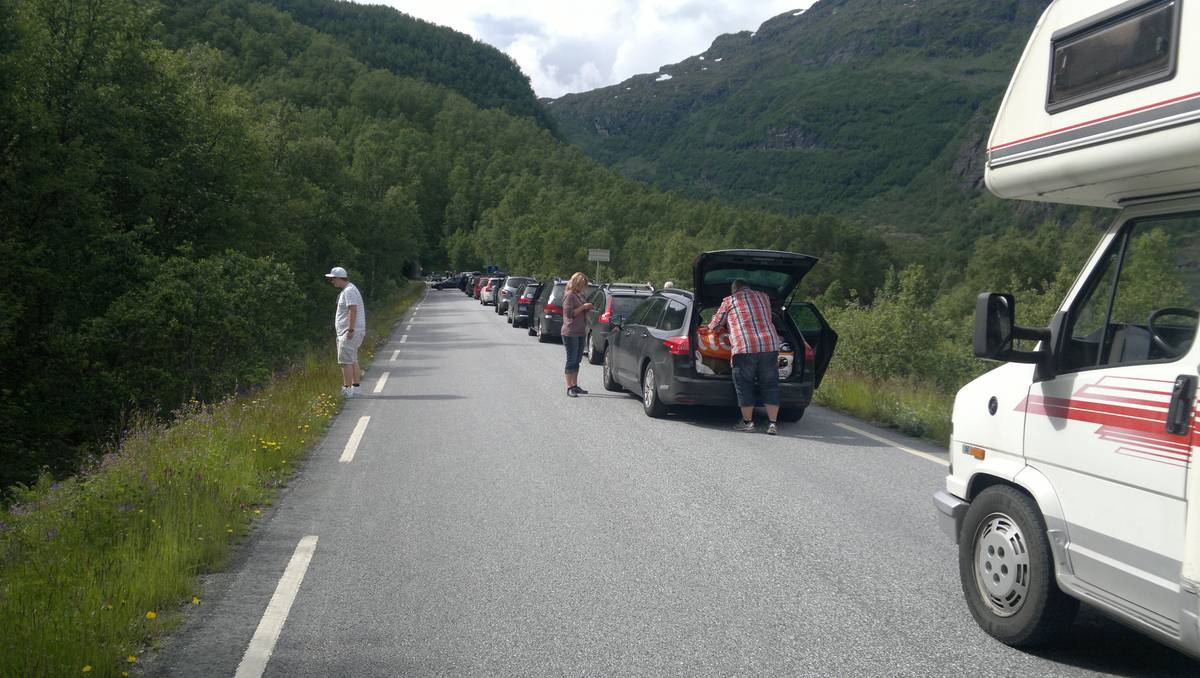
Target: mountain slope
(836, 109)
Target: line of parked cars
(654, 342)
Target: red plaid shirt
(747, 313)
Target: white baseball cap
(337, 272)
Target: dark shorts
(756, 374)
(574, 353)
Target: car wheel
(543, 338)
(595, 355)
(1007, 570)
(606, 374)
(651, 403)
(792, 414)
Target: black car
(654, 350)
(520, 310)
(609, 300)
(545, 318)
(509, 290)
(452, 282)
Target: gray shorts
(756, 378)
(347, 348)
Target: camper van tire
(1007, 570)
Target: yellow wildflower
(151, 615)
(195, 600)
(87, 668)
(131, 659)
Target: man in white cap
(350, 323)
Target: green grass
(95, 567)
(913, 408)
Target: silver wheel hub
(1001, 564)
(648, 387)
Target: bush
(199, 329)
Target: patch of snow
(704, 68)
(718, 59)
(664, 76)
(702, 58)
(754, 34)
(628, 88)
(798, 12)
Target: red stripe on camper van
(1131, 111)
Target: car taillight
(809, 355)
(524, 300)
(678, 345)
(551, 308)
(504, 293)
(605, 317)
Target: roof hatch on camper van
(1104, 107)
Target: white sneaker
(347, 392)
(356, 390)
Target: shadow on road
(432, 396)
(1100, 644)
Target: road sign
(598, 255)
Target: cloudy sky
(570, 46)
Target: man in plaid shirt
(755, 359)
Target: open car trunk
(777, 274)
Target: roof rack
(637, 287)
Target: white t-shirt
(350, 296)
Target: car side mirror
(996, 331)
(616, 321)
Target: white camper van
(1073, 469)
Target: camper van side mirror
(996, 330)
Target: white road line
(885, 441)
(382, 382)
(355, 439)
(254, 662)
(408, 328)
(403, 338)
(395, 355)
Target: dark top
(574, 321)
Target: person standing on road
(574, 328)
(755, 352)
(350, 323)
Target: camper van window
(1142, 302)
(1115, 54)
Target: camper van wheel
(1007, 570)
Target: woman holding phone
(574, 328)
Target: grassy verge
(915, 409)
(94, 567)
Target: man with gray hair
(350, 323)
(755, 352)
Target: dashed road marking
(355, 439)
(382, 382)
(409, 327)
(916, 453)
(254, 662)
(395, 355)
(403, 338)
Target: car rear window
(624, 305)
(557, 293)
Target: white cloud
(574, 47)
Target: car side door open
(1123, 358)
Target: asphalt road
(489, 525)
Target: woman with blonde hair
(574, 328)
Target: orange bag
(714, 344)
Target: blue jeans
(574, 347)
(762, 369)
